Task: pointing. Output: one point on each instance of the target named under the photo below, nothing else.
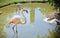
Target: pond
(38, 29)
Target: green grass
(18, 0)
(2, 2)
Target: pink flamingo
(18, 20)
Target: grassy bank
(3, 2)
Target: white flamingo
(51, 18)
(17, 19)
(52, 21)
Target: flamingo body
(53, 21)
(17, 20)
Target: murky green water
(38, 29)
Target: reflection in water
(39, 29)
(15, 35)
(32, 15)
(57, 32)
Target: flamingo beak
(26, 11)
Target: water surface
(30, 30)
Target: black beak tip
(26, 11)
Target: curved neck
(24, 17)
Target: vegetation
(57, 32)
(55, 3)
(3, 2)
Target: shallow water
(30, 30)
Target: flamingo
(52, 18)
(17, 19)
(52, 21)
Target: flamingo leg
(16, 29)
(13, 28)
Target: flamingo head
(10, 21)
(25, 11)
